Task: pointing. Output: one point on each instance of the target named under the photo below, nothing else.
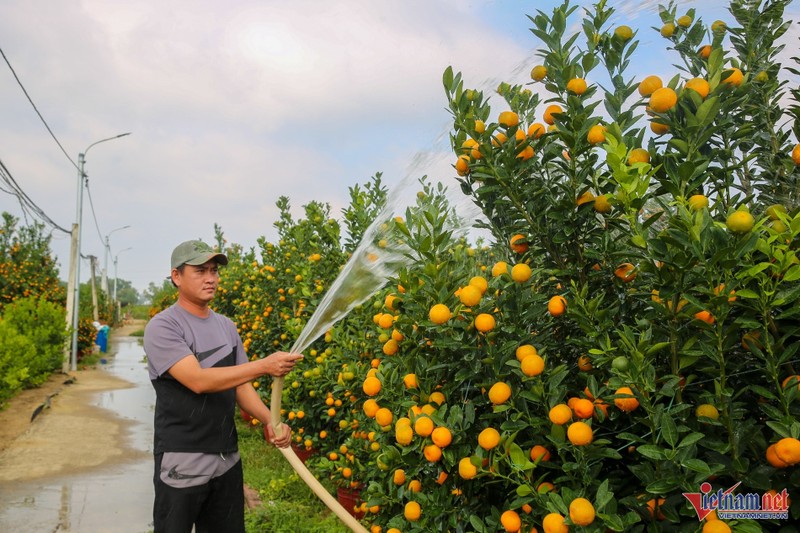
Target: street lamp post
(105, 260)
(116, 257)
(77, 250)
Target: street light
(116, 303)
(105, 259)
(76, 252)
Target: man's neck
(201, 309)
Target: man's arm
(249, 400)
(199, 380)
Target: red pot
(350, 499)
(302, 453)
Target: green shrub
(140, 312)
(15, 351)
(32, 340)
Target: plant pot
(350, 499)
(302, 453)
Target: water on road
(115, 497)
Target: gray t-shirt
(175, 333)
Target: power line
(19, 82)
(94, 215)
(28, 206)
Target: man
(199, 369)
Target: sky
(231, 105)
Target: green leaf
(680, 146)
(608, 453)
(754, 270)
(656, 348)
(669, 430)
(447, 77)
(696, 465)
(690, 439)
(792, 274)
(629, 437)
(559, 22)
(558, 502)
(477, 523)
(781, 429)
(588, 62)
(747, 294)
(519, 458)
(708, 110)
(602, 496)
(651, 452)
(762, 391)
(662, 486)
(612, 522)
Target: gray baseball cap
(196, 253)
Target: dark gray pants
(215, 507)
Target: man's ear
(175, 275)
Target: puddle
(109, 499)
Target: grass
(140, 312)
(288, 504)
(91, 359)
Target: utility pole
(116, 302)
(73, 259)
(76, 283)
(95, 312)
(105, 260)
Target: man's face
(197, 283)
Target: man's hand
(285, 437)
(279, 364)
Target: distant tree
(126, 293)
(86, 310)
(148, 295)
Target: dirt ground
(81, 436)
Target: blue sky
(234, 104)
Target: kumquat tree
(27, 268)
(622, 355)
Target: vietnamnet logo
(753, 506)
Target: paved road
(115, 497)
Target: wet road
(114, 498)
